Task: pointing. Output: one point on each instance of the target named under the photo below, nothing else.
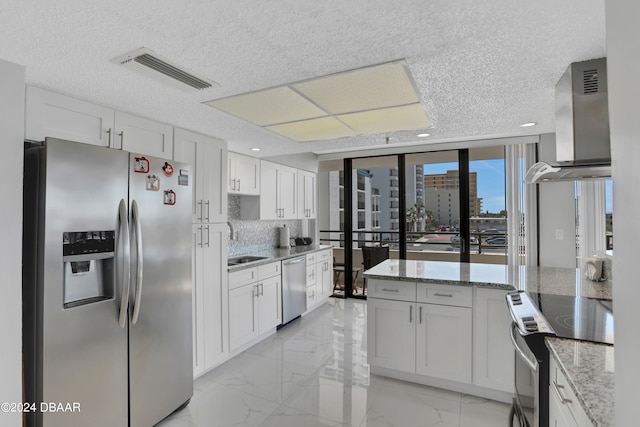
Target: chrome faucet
(232, 232)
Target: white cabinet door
(50, 114)
(325, 274)
(269, 307)
(198, 302)
(558, 416)
(391, 334)
(306, 194)
(443, 340)
(493, 354)
(143, 136)
(209, 288)
(243, 315)
(287, 184)
(208, 157)
(215, 242)
(244, 175)
(269, 203)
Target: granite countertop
(560, 281)
(276, 254)
(589, 368)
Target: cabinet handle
(557, 388)
(200, 204)
(208, 210)
(200, 244)
(420, 314)
(122, 139)
(410, 314)
(261, 289)
(208, 237)
(238, 184)
(257, 294)
(442, 295)
(390, 290)
(109, 133)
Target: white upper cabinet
(144, 136)
(243, 175)
(50, 114)
(278, 191)
(306, 194)
(208, 156)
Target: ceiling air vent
(590, 81)
(149, 63)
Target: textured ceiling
(481, 68)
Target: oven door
(526, 380)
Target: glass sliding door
(376, 219)
(487, 205)
(432, 206)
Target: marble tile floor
(314, 372)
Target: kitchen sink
(244, 260)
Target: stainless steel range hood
(582, 126)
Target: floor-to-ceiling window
(441, 206)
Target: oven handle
(532, 364)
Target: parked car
(498, 240)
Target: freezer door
(75, 349)
(160, 337)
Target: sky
(490, 176)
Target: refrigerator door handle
(123, 233)
(135, 217)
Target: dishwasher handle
(293, 260)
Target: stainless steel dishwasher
(294, 288)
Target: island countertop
(589, 368)
(560, 281)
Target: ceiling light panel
(369, 88)
(391, 119)
(313, 130)
(268, 107)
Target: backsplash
(257, 236)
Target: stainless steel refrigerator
(107, 285)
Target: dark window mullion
(348, 228)
(465, 228)
(402, 200)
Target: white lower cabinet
(391, 336)
(443, 342)
(319, 277)
(493, 354)
(209, 290)
(564, 408)
(255, 306)
(445, 335)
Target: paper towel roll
(283, 233)
(593, 268)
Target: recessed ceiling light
(255, 149)
(528, 124)
(423, 135)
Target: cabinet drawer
(459, 296)
(560, 388)
(311, 259)
(312, 277)
(269, 270)
(391, 289)
(242, 277)
(324, 255)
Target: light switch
(559, 234)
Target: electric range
(535, 316)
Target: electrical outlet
(559, 234)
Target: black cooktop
(580, 318)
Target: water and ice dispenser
(88, 258)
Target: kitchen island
(471, 318)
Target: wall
(11, 142)
(623, 67)
(305, 161)
(258, 236)
(556, 211)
